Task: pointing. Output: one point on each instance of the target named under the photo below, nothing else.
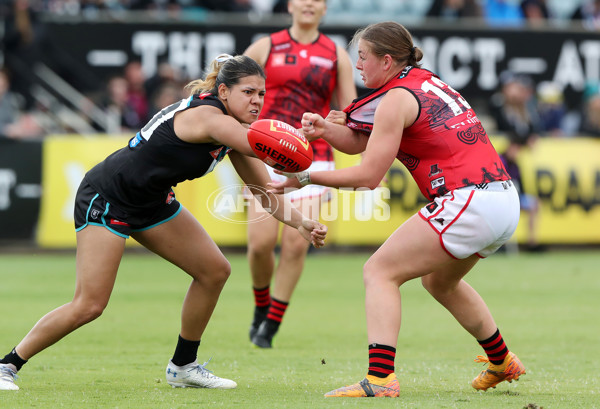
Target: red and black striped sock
(381, 360)
(262, 297)
(276, 310)
(495, 348)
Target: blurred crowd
(89, 8)
(520, 108)
(134, 98)
(520, 12)
(497, 12)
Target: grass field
(546, 306)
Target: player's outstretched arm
(254, 174)
(397, 110)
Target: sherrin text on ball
(280, 145)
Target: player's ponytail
(225, 69)
(414, 56)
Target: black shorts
(92, 209)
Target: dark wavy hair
(228, 70)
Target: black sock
(263, 310)
(185, 352)
(13, 358)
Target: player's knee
(437, 288)
(220, 272)
(95, 311)
(376, 273)
(211, 274)
(260, 248)
(225, 270)
(295, 248)
(88, 311)
(371, 273)
(427, 284)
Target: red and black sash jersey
(141, 174)
(446, 147)
(300, 78)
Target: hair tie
(221, 58)
(413, 52)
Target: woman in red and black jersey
(413, 116)
(306, 72)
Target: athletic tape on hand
(303, 177)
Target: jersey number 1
(452, 102)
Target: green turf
(545, 305)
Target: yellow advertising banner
(65, 160)
(217, 200)
(564, 173)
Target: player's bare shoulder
(193, 125)
(399, 101)
(259, 50)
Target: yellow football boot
(371, 386)
(510, 369)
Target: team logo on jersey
(277, 60)
(215, 153)
(170, 197)
(321, 62)
(405, 71)
(290, 59)
(472, 135)
(436, 183)
(135, 141)
(219, 154)
(434, 170)
(303, 53)
(281, 59)
(280, 47)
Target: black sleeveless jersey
(140, 175)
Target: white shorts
(309, 191)
(476, 219)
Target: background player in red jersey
(305, 71)
(415, 117)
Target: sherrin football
(280, 145)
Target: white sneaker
(195, 376)
(7, 378)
